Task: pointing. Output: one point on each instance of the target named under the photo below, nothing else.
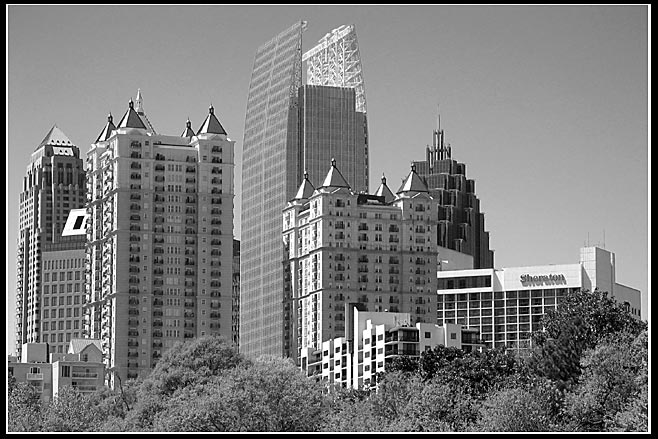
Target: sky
(548, 106)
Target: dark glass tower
(461, 224)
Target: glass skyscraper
(289, 129)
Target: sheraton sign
(543, 279)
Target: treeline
(587, 372)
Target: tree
(578, 323)
(350, 409)
(475, 373)
(72, 411)
(610, 393)
(533, 407)
(192, 362)
(437, 407)
(595, 313)
(185, 365)
(24, 408)
(271, 394)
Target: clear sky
(546, 105)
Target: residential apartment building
(48, 263)
(507, 304)
(160, 239)
(373, 340)
(291, 128)
(341, 246)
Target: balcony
(35, 376)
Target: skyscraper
(160, 243)
(53, 185)
(341, 247)
(461, 224)
(288, 129)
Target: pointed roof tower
(188, 129)
(131, 119)
(384, 191)
(139, 108)
(55, 137)
(107, 130)
(211, 125)
(334, 178)
(306, 189)
(413, 182)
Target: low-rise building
(81, 367)
(373, 340)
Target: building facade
(47, 262)
(235, 307)
(160, 239)
(332, 128)
(373, 340)
(507, 304)
(378, 250)
(80, 366)
(461, 223)
(289, 128)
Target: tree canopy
(587, 371)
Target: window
(453, 336)
(66, 371)
(428, 334)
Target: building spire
(139, 109)
(138, 100)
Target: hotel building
(340, 247)
(50, 264)
(507, 304)
(160, 239)
(291, 128)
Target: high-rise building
(461, 223)
(48, 263)
(290, 129)
(160, 240)
(378, 250)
